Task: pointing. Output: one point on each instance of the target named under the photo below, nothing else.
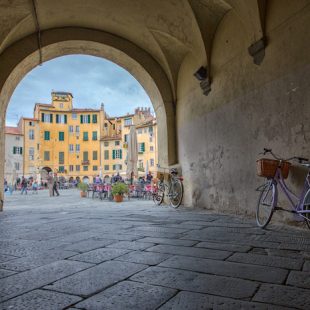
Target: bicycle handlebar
(300, 159)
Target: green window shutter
(143, 147)
(88, 118)
(113, 154)
(95, 155)
(57, 118)
(120, 154)
(94, 135)
(21, 150)
(85, 136)
(61, 136)
(65, 119)
(51, 118)
(94, 118)
(106, 154)
(85, 156)
(14, 149)
(114, 167)
(81, 119)
(42, 117)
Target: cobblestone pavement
(71, 253)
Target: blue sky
(91, 80)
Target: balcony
(85, 162)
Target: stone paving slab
(190, 251)
(131, 245)
(278, 252)
(306, 266)
(5, 258)
(223, 246)
(130, 296)
(147, 258)
(99, 255)
(87, 245)
(29, 280)
(225, 268)
(95, 279)
(283, 295)
(195, 301)
(271, 261)
(197, 282)
(5, 273)
(40, 299)
(299, 278)
(168, 241)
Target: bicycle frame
(298, 205)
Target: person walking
(55, 186)
(24, 186)
(50, 183)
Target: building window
(77, 167)
(77, 128)
(85, 168)
(85, 136)
(106, 167)
(71, 129)
(106, 143)
(128, 121)
(31, 153)
(150, 129)
(47, 118)
(77, 148)
(38, 146)
(61, 136)
(85, 156)
(61, 169)
(139, 131)
(61, 105)
(74, 116)
(71, 148)
(117, 143)
(17, 138)
(94, 135)
(151, 148)
(106, 154)
(85, 119)
(16, 166)
(140, 164)
(46, 155)
(95, 168)
(141, 147)
(95, 155)
(61, 157)
(125, 138)
(94, 118)
(31, 134)
(47, 135)
(61, 119)
(117, 167)
(31, 124)
(71, 168)
(17, 150)
(152, 162)
(145, 130)
(117, 154)
(151, 139)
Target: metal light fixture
(205, 83)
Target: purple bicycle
(276, 170)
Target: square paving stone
(99, 255)
(196, 301)
(306, 266)
(131, 245)
(5, 258)
(223, 246)
(190, 251)
(40, 299)
(97, 278)
(278, 252)
(225, 268)
(299, 278)
(197, 282)
(87, 245)
(271, 261)
(168, 241)
(147, 258)
(27, 281)
(283, 295)
(6, 273)
(128, 295)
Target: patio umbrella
(132, 157)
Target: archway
(66, 41)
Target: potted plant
(83, 187)
(118, 190)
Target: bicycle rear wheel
(306, 207)
(176, 194)
(159, 195)
(266, 203)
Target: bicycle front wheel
(159, 195)
(176, 195)
(306, 207)
(266, 203)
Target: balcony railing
(85, 162)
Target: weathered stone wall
(249, 107)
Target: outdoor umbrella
(132, 158)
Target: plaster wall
(248, 108)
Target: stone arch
(21, 57)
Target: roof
(30, 118)
(44, 104)
(61, 93)
(85, 110)
(147, 123)
(13, 130)
(118, 117)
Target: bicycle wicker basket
(267, 167)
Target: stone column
(2, 157)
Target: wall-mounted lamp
(205, 83)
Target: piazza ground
(71, 253)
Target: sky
(91, 80)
